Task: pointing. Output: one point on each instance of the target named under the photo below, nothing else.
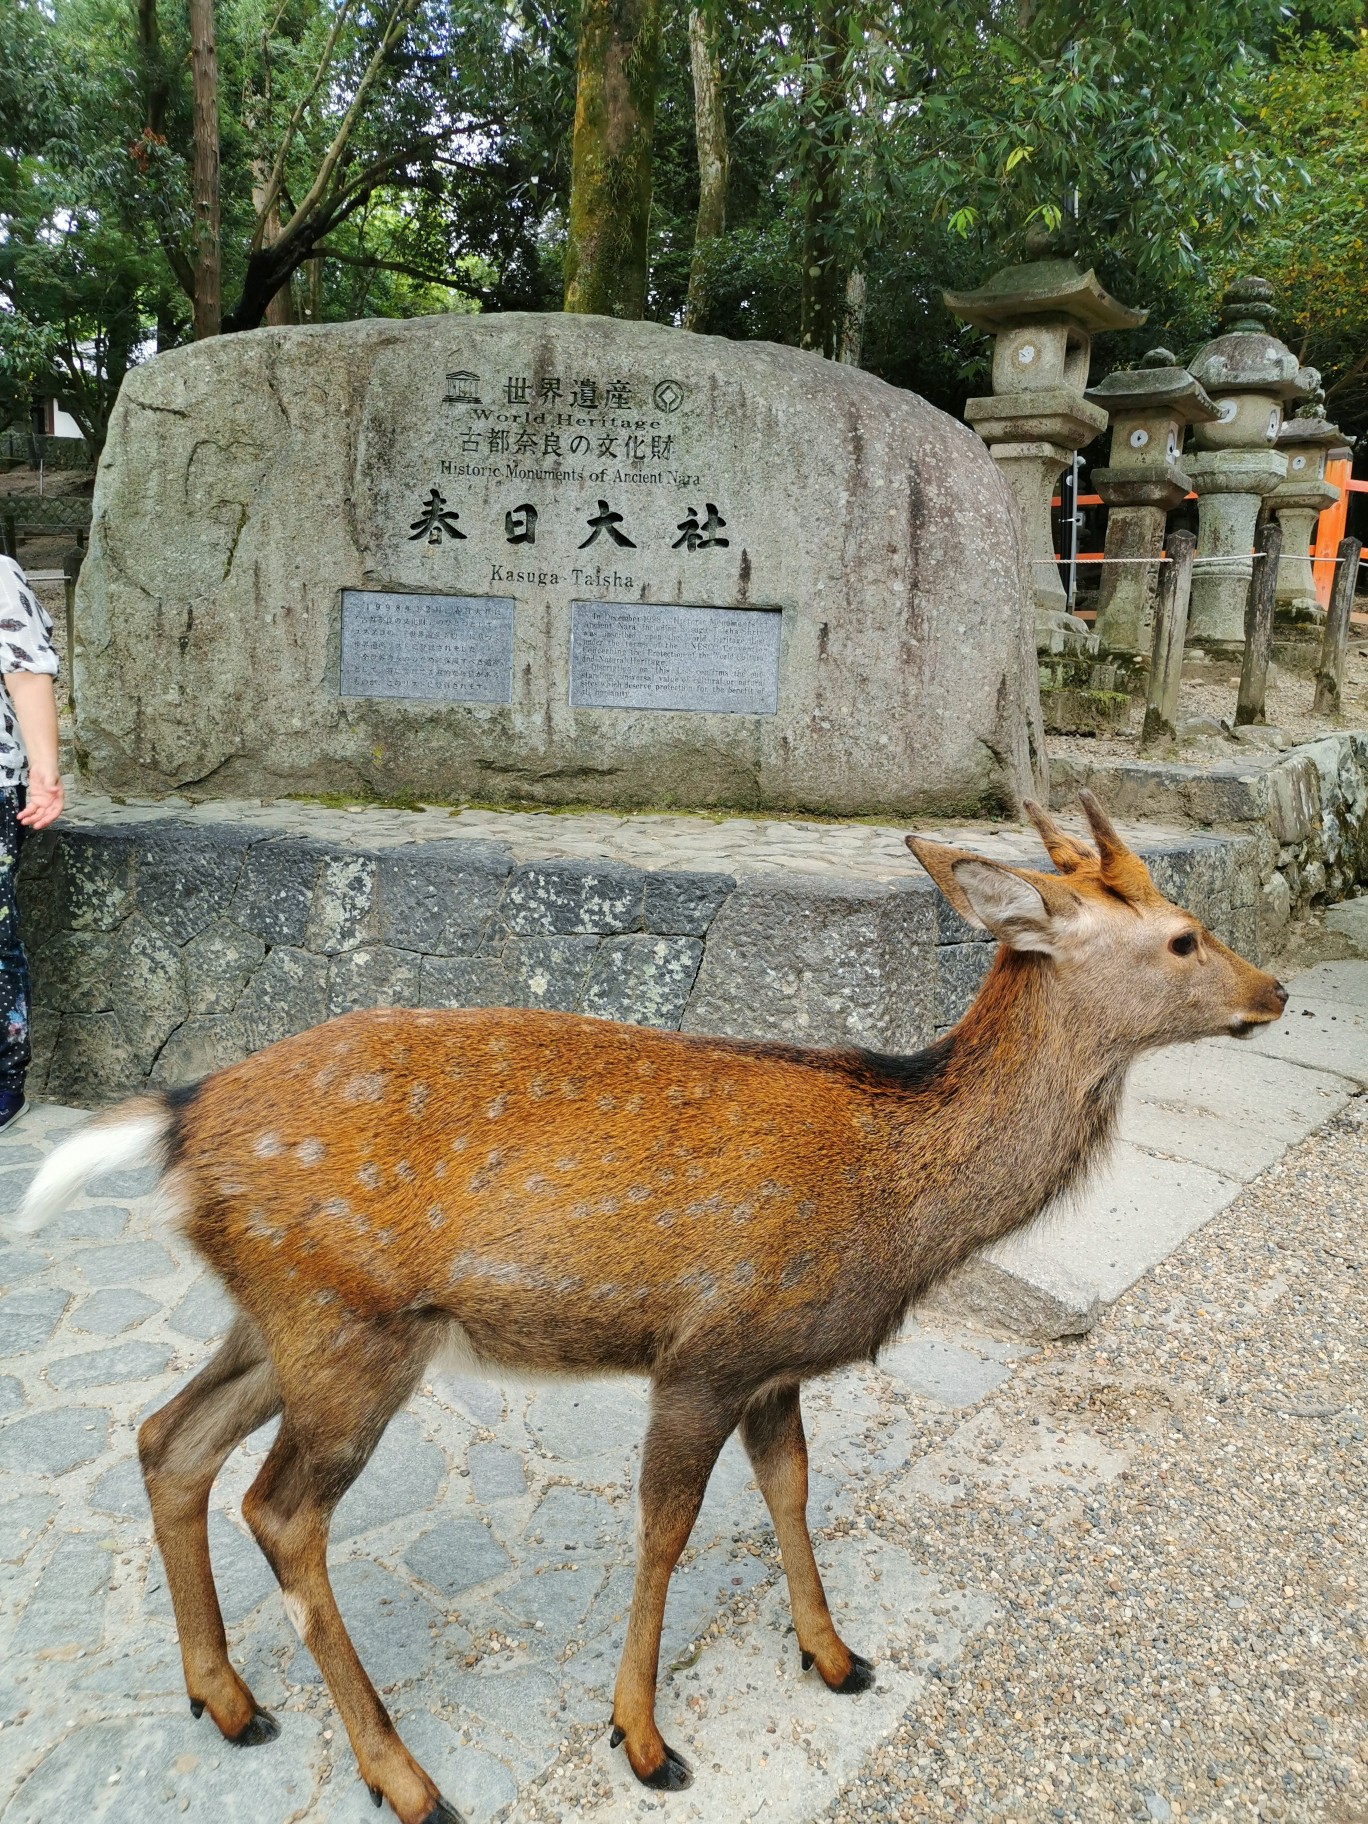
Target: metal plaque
(643, 655)
(446, 648)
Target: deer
(544, 1194)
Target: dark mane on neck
(876, 1070)
(900, 1072)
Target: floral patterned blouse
(25, 645)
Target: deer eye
(1184, 944)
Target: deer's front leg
(688, 1428)
(772, 1431)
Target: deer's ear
(939, 860)
(1009, 906)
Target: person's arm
(35, 704)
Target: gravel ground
(1182, 1626)
(1211, 690)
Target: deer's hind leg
(689, 1425)
(772, 1431)
(338, 1401)
(182, 1448)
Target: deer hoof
(197, 1707)
(808, 1660)
(859, 1678)
(262, 1728)
(672, 1775)
(442, 1813)
(617, 1738)
(377, 1797)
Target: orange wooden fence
(1330, 526)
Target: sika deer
(562, 1194)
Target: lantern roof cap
(1247, 357)
(1042, 289)
(1158, 384)
(1310, 429)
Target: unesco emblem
(668, 395)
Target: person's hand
(45, 800)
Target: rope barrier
(1197, 562)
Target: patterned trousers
(14, 974)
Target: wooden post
(71, 569)
(1249, 705)
(1170, 631)
(1330, 672)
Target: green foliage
(942, 141)
(416, 154)
(348, 132)
(1313, 107)
(71, 273)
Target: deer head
(1139, 970)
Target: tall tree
(714, 153)
(610, 175)
(826, 128)
(207, 281)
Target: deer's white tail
(134, 1138)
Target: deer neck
(1027, 1103)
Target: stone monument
(549, 559)
(1042, 316)
(1150, 408)
(1250, 376)
(1299, 501)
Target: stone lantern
(1150, 407)
(1299, 501)
(1043, 316)
(1250, 376)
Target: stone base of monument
(1078, 710)
(1214, 662)
(168, 940)
(1060, 634)
(1297, 639)
(1087, 695)
(1301, 655)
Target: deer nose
(1281, 993)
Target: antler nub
(1109, 845)
(1122, 869)
(1065, 851)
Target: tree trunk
(610, 172)
(853, 325)
(205, 183)
(714, 155)
(822, 299)
(280, 309)
(313, 291)
(153, 67)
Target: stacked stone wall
(1307, 810)
(164, 950)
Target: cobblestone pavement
(1022, 1539)
(483, 1563)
